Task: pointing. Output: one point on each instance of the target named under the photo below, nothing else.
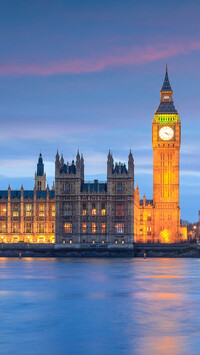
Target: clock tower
(166, 139)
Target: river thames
(99, 306)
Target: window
(68, 227)
(119, 187)
(41, 227)
(70, 242)
(15, 227)
(28, 227)
(119, 228)
(39, 185)
(84, 227)
(53, 210)
(84, 211)
(115, 241)
(53, 228)
(41, 210)
(28, 208)
(122, 241)
(94, 228)
(148, 230)
(103, 228)
(103, 209)
(67, 209)
(141, 217)
(119, 209)
(67, 188)
(2, 210)
(94, 211)
(16, 210)
(2, 227)
(149, 217)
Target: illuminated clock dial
(166, 133)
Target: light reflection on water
(99, 306)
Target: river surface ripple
(99, 306)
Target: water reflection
(99, 306)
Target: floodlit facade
(78, 212)
(28, 215)
(158, 220)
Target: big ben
(166, 139)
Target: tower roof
(40, 166)
(166, 84)
(166, 104)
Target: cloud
(133, 56)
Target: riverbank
(183, 250)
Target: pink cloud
(134, 56)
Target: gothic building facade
(96, 213)
(28, 215)
(158, 220)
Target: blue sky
(88, 74)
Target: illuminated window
(84, 227)
(28, 227)
(41, 209)
(119, 228)
(39, 185)
(15, 227)
(94, 211)
(119, 187)
(148, 230)
(68, 227)
(2, 210)
(16, 208)
(103, 209)
(70, 242)
(93, 242)
(115, 241)
(103, 228)
(2, 227)
(53, 228)
(53, 210)
(41, 227)
(28, 208)
(141, 217)
(149, 217)
(63, 241)
(122, 241)
(67, 209)
(103, 242)
(94, 228)
(84, 212)
(119, 209)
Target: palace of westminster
(79, 212)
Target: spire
(78, 155)
(40, 166)
(166, 105)
(166, 84)
(57, 156)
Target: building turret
(40, 176)
(130, 164)
(110, 164)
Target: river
(99, 306)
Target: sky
(85, 74)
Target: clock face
(166, 133)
